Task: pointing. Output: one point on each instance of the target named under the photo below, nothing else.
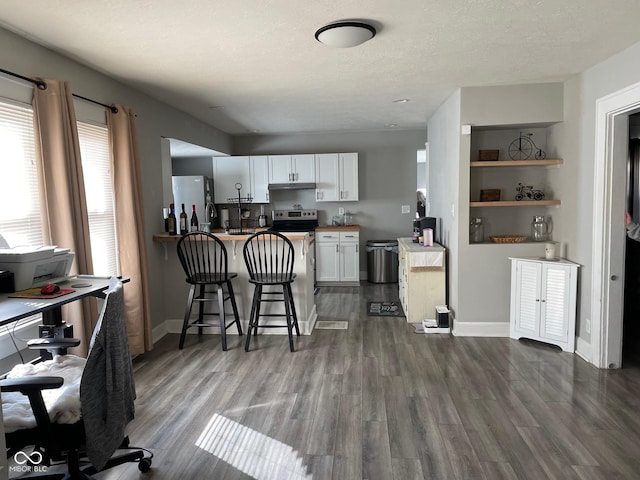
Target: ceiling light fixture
(345, 34)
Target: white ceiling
(248, 66)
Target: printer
(36, 266)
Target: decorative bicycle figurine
(523, 146)
(527, 192)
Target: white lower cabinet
(543, 301)
(338, 257)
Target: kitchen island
(302, 287)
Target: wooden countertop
(338, 228)
(165, 237)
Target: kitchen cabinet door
(260, 178)
(327, 177)
(327, 262)
(349, 262)
(348, 177)
(280, 169)
(227, 171)
(303, 168)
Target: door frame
(606, 331)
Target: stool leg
(201, 309)
(234, 307)
(293, 310)
(223, 327)
(187, 314)
(287, 309)
(257, 314)
(252, 318)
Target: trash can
(382, 261)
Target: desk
(12, 309)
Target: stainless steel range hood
(292, 186)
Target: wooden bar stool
(269, 257)
(204, 260)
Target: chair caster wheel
(144, 465)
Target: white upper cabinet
(260, 178)
(292, 168)
(227, 172)
(327, 177)
(337, 177)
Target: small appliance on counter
(422, 223)
(262, 219)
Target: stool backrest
(269, 257)
(203, 257)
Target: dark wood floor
(378, 401)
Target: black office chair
(92, 435)
(269, 257)
(204, 260)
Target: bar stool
(269, 257)
(204, 260)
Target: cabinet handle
(267, 196)
(337, 248)
(357, 248)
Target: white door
(227, 171)
(280, 169)
(303, 168)
(327, 262)
(348, 176)
(260, 178)
(349, 262)
(327, 175)
(554, 314)
(526, 314)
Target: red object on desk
(35, 293)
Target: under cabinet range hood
(292, 186)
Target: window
(21, 212)
(98, 181)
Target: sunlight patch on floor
(251, 452)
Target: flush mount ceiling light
(345, 34)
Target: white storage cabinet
(543, 301)
(337, 177)
(338, 258)
(292, 168)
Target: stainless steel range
(294, 220)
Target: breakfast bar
(302, 287)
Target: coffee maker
(419, 224)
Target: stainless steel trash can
(382, 261)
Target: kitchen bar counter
(302, 287)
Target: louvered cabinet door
(543, 301)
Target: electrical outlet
(406, 209)
(587, 325)
(341, 211)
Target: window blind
(21, 218)
(98, 181)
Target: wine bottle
(194, 219)
(183, 222)
(172, 220)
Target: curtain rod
(42, 86)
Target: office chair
(269, 257)
(204, 260)
(86, 433)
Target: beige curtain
(123, 141)
(66, 219)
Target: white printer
(36, 266)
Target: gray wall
(154, 121)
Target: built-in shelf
(516, 203)
(516, 163)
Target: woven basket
(508, 238)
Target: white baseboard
(584, 350)
(480, 329)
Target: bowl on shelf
(508, 238)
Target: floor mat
(384, 309)
(331, 325)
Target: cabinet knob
(614, 278)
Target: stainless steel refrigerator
(192, 190)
